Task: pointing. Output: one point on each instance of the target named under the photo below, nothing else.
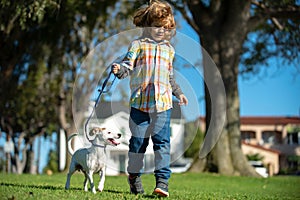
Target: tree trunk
(239, 160)
(20, 163)
(223, 29)
(30, 160)
(38, 154)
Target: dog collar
(98, 145)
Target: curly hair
(157, 13)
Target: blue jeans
(143, 126)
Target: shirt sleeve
(128, 62)
(131, 55)
(176, 90)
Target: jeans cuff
(162, 180)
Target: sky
(274, 92)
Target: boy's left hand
(115, 68)
(183, 100)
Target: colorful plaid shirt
(149, 65)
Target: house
(115, 117)
(275, 139)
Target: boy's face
(158, 33)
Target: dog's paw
(94, 191)
(67, 186)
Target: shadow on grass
(45, 187)
(115, 191)
(150, 196)
(50, 187)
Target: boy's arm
(176, 91)
(122, 69)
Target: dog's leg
(90, 177)
(102, 179)
(71, 171)
(85, 183)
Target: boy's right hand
(115, 68)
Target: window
(293, 138)
(247, 135)
(271, 137)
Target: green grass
(182, 186)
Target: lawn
(182, 186)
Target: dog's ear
(96, 130)
(92, 132)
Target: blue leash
(101, 91)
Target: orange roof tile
(270, 120)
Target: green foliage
(193, 139)
(41, 54)
(25, 103)
(293, 129)
(42, 43)
(33, 100)
(276, 37)
(191, 186)
(24, 13)
(255, 157)
(2, 161)
(52, 162)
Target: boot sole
(160, 192)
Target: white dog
(91, 160)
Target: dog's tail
(70, 150)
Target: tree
(42, 45)
(24, 88)
(224, 28)
(94, 22)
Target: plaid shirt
(150, 66)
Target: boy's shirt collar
(147, 39)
